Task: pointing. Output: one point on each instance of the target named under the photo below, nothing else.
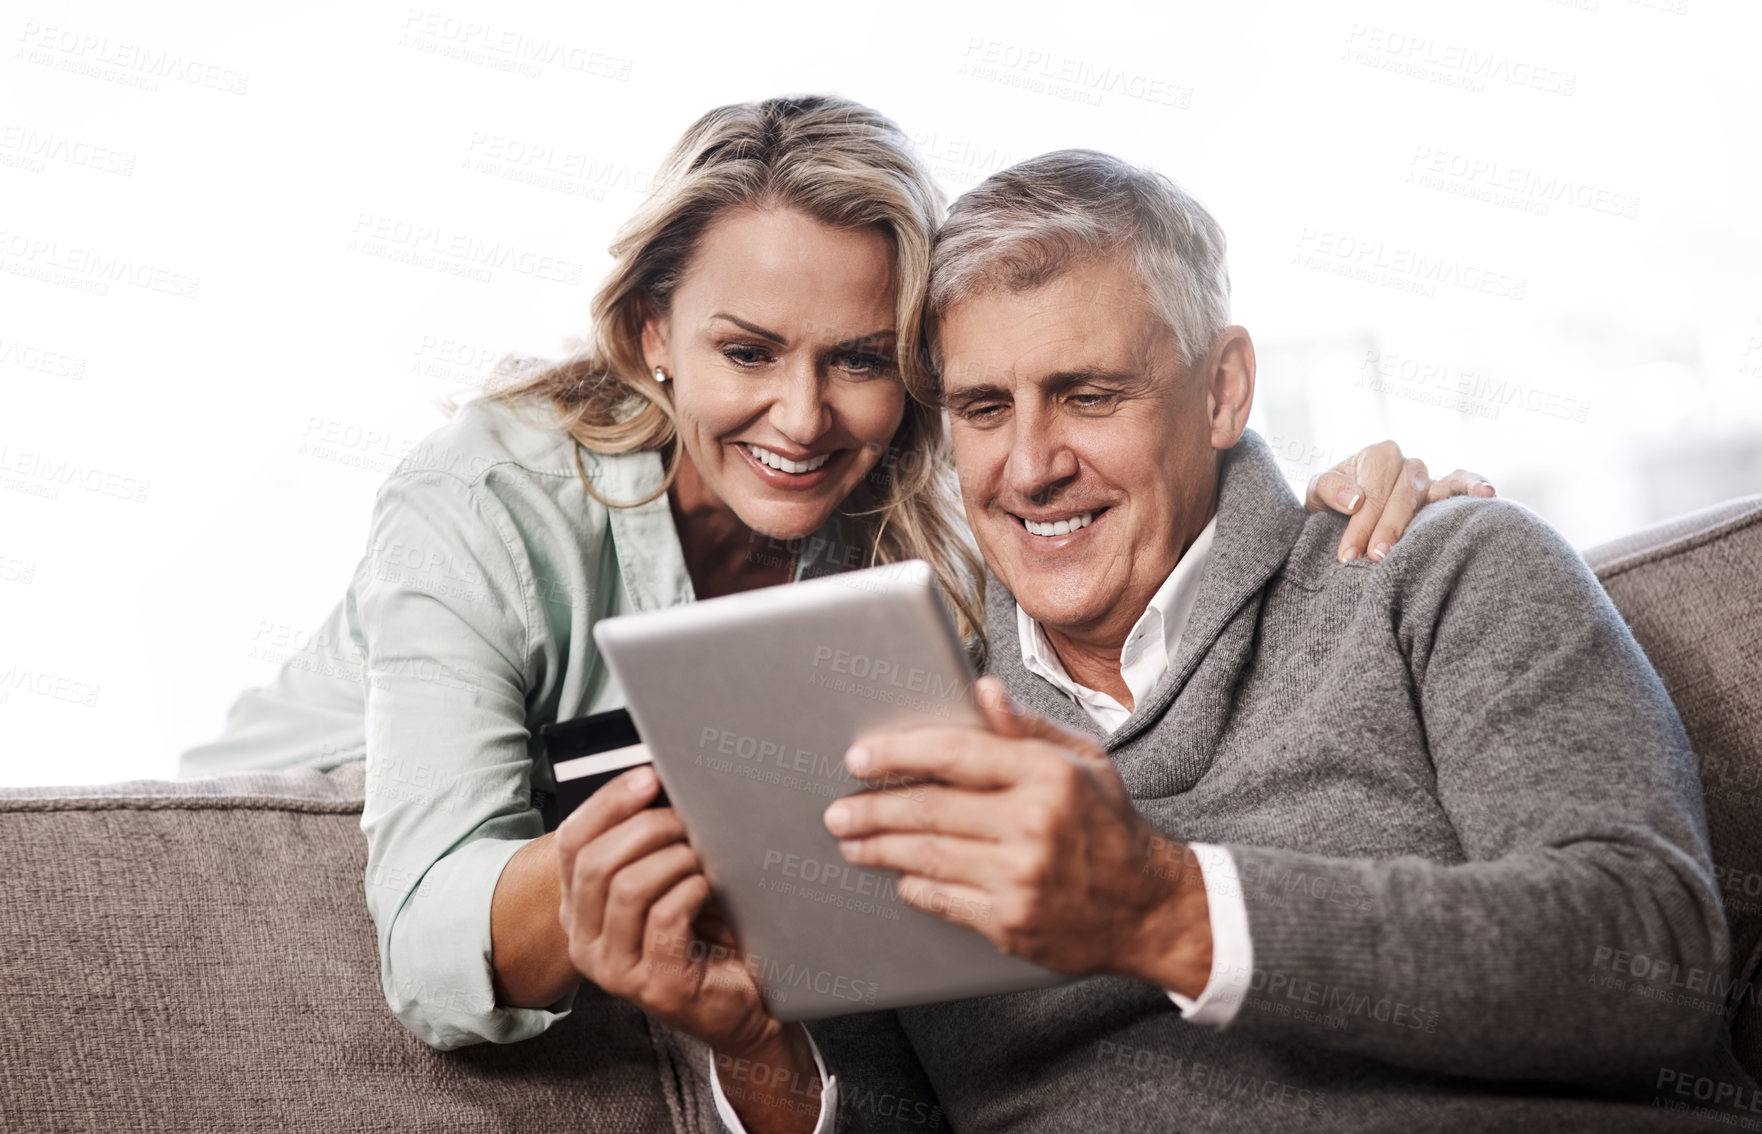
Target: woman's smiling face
(780, 342)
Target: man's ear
(1228, 373)
(654, 342)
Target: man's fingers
(1408, 494)
(964, 757)
(951, 901)
(1460, 483)
(939, 857)
(1009, 720)
(921, 807)
(604, 809)
(1023, 724)
(1334, 490)
(995, 705)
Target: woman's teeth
(784, 464)
(1059, 527)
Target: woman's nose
(801, 412)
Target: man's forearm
(529, 952)
(1490, 969)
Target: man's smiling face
(1084, 446)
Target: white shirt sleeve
(1232, 953)
(828, 1096)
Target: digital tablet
(747, 705)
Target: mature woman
(739, 420)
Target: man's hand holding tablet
(1031, 825)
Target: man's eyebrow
(967, 395)
(1065, 379)
(752, 328)
(1055, 383)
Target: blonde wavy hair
(847, 166)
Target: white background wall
(205, 370)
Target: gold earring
(660, 375)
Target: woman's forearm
(529, 952)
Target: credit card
(586, 754)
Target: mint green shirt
(466, 627)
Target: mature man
(1338, 846)
(1335, 845)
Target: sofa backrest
(197, 955)
(1691, 589)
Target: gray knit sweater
(1464, 813)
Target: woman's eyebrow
(752, 328)
(872, 340)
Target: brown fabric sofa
(196, 955)
(1691, 589)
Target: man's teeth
(784, 464)
(1059, 527)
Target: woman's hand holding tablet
(642, 924)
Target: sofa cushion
(1691, 589)
(197, 955)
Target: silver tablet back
(748, 704)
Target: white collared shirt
(1144, 662)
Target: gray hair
(1025, 225)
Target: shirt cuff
(828, 1095)
(435, 960)
(1232, 952)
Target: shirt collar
(1149, 646)
(651, 562)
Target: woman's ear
(654, 343)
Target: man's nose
(800, 411)
(1040, 459)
